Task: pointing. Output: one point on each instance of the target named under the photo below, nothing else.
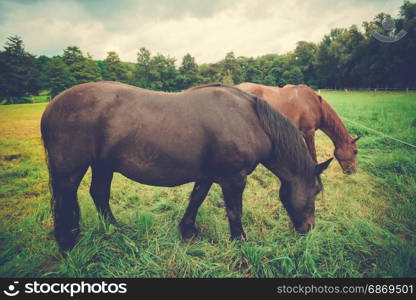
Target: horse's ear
(319, 168)
(356, 139)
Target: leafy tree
(59, 76)
(142, 75)
(188, 73)
(230, 66)
(275, 66)
(266, 63)
(292, 76)
(251, 69)
(101, 66)
(72, 55)
(82, 68)
(405, 66)
(325, 64)
(85, 71)
(228, 79)
(18, 71)
(163, 73)
(130, 71)
(156, 73)
(210, 73)
(304, 57)
(114, 70)
(41, 65)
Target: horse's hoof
(113, 222)
(188, 232)
(239, 237)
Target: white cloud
(247, 27)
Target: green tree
(389, 64)
(188, 73)
(251, 69)
(325, 64)
(18, 71)
(210, 73)
(304, 58)
(230, 66)
(266, 63)
(163, 73)
(405, 49)
(83, 69)
(72, 55)
(114, 70)
(228, 79)
(59, 76)
(142, 75)
(274, 66)
(292, 76)
(41, 65)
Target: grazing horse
(212, 134)
(309, 112)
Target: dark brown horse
(210, 134)
(309, 112)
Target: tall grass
(365, 222)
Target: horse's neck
(332, 125)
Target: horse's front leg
(310, 142)
(187, 224)
(232, 190)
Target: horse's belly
(158, 168)
(160, 177)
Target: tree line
(344, 58)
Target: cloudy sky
(207, 29)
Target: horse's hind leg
(232, 190)
(65, 207)
(187, 224)
(100, 190)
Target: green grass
(365, 222)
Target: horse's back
(298, 102)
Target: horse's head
(298, 196)
(346, 155)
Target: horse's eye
(355, 151)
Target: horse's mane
(288, 143)
(215, 84)
(289, 146)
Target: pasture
(366, 222)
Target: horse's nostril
(311, 225)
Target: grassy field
(366, 222)
(29, 99)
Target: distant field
(366, 222)
(28, 99)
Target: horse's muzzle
(306, 226)
(350, 171)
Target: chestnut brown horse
(210, 134)
(309, 112)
